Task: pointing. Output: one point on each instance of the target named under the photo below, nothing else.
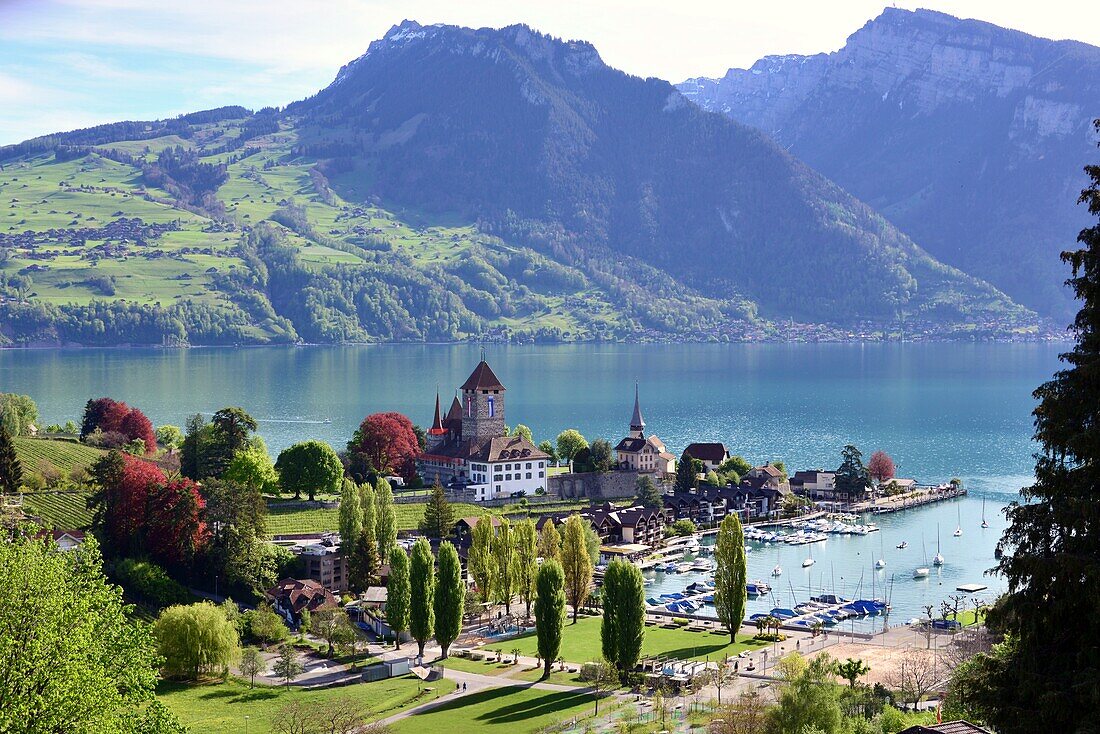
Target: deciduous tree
(449, 597)
(731, 574)
(72, 657)
(397, 594)
(421, 594)
(310, 467)
(175, 531)
(351, 516)
(570, 441)
(505, 572)
(286, 665)
(576, 563)
(252, 664)
(386, 518)
(527, 562)
(622, 628)
(549, 541)
(549, 611)
(332, 625)
(196, 640)
(480, 560)
(252, 467)
(881, 467)
(384, 444)
(18, 413)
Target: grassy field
(223, 707)
(59, 510)
(514, 709)
(521, 673)
(65, 455)
(581, 642)
(285, 520)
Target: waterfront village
(502, 506)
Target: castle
(467, 450)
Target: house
(640, 453)
(947, 727)
(701, 506)
(814, 483)
(290, 597)
(464, 528)
(635, 525)
(767, 476)
(68, 539)
(468, 451)
(710, 454)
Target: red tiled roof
(299, 594)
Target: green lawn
(222, 707)
(514, 709)
(581, 642)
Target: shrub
(679, 621)
(150, 583)
(680, 528)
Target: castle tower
(437, 433)
(482, 405)
(637, 424)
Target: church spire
(637, 424)
(437, 422)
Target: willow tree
(731, 574)
(421, 594)
(1051, 547)
(576, 563)
(450, 594)
(549, 612)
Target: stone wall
(594, 485)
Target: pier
(887, 505)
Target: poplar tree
(480, 557)
(549, 541)
(397, 595)
(622, 629)
(576, 563)
(386, 526)
(527, 563)
(421, 594)
(506, 571)
(11, 469)
(363, 563)
(351, 516)
(367, 506)
(731, 574)
(549, 612)
(1049, 669)
(450, 595)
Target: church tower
(482, 405)
(637, 424)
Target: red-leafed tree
(125, 484)
(385, 443)
(135, 425)
(175, 531)
(881, 467)
(114, 416)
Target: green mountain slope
(454, 184)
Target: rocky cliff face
(968, 136)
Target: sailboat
(881, 562)
(778, 570)
(810, 560)
(985, 523)
(923, 570)
(937, 560)
(959, 527)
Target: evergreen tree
(1050, 672)
(576, 563)
(421, 594)
(11, 469)
(450, 595)
(731, 574)
(549, 611)
(549, 541)
(527, 562)
(363, 563)
(505, 571)
(851, 477)
(351, 517)
(647, 493)
(687, 477)
(480, 559)
(386, 522)
(397, 594)
(439, 516)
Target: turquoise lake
(941, 410)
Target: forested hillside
(456, 184)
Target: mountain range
(968, 137)
(454, 183)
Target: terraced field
(65, 455)
(60, 510)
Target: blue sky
(71, 63)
